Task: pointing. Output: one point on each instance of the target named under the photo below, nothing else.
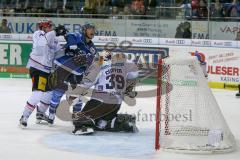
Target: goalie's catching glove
(131, 94)
(130, 88)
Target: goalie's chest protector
(111, 82)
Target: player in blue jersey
(79, 55)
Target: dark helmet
(87, 26)
(60, 30)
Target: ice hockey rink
(41, 142)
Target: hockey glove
(79, 58)
(60, 30)
(69, 52)
(131, 94)
(130, 87)
(52, 80)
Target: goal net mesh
(188, 116)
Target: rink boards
(222, 57)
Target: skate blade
(88, 132)
(41, 122)
(22, 126)
(135, 129)
(50, 124)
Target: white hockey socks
(32, 103)
(44, 102)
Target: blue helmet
(87, 26)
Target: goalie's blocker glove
(60, 30)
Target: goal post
(158, 106)
(188, 118)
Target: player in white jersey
(45, 45)
(202, 61)
(238, 94)
(112, 80)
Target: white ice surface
(40, 142)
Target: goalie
(112, 80)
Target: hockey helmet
(200, 56)
(88, 26)
(60, 30)
(45, 23)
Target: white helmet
(119, 58)
(105, 55)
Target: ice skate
(50, 122)
(23, 122)
(83, 130)
(238, 95)
(50, 119)
(41, 118)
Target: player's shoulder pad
(51, 33)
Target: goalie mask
(105, 55)
(119, 58)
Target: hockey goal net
(188, 118)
